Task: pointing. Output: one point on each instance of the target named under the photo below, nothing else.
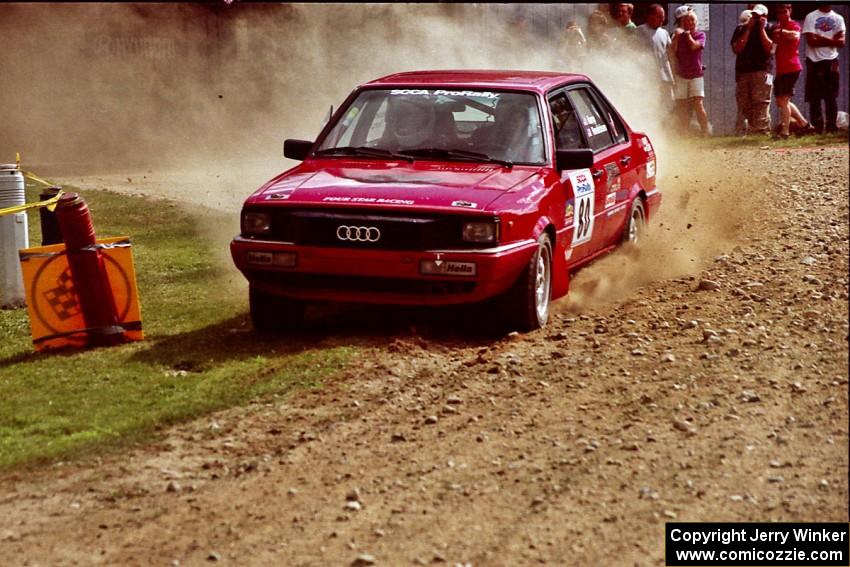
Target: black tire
(527, 303)
(636, 224)
(272, 313)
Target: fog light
(279, 259)
(443, 268)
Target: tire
(636, 225)
(272, 313)
(527, 303)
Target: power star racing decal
(582, 183)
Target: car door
(591, 210)
(618, 158)
(578, 185)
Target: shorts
(783, 85)
(689, 88)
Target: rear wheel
(526, 304)
(271, 313)
(636, 227)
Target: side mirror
(573, 159)
(296, 149)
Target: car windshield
(445, 124)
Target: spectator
(786, 36)
(599, 31)
(824, 31)
(624, 15)
(740, 119)
(575, 43)
(686, 47)
(658, 41)
(753, 47)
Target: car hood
(429, 185)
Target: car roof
(537, 81)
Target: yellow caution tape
(50, 203)
(34, 177)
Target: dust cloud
(106, 87)
(192, 101)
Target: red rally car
(448, 187)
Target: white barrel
(13, 236)
(11, 186)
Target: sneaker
(780, 136)
(806, 130)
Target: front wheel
(636, 226)
(526, 304)
(272, 313)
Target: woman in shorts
(786, 35)
(687, 47)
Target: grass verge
(766, 142)
(199, 354)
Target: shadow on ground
(326, 326)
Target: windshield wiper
(363, 151)
(457, 154)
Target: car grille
(328, 282)
(398, 232)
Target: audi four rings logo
(358, 233)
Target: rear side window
(618, 131)
(591, 119)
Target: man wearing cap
(824, 33)
(753, 48)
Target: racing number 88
(583, 218)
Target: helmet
(411, 119)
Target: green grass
(199, 354)
(756, 142)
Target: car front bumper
(382, 276)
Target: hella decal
(465, 204)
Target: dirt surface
(702, 377)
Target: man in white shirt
(658, 40)
(824, 33)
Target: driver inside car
(508, 137)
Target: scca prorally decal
(582, 183)
(480, 94)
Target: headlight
(486, 231)
(256, 223)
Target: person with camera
(686, 47)
(753, 47)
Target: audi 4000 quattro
(448, 187)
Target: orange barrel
(88, 271)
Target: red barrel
(88, 271)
